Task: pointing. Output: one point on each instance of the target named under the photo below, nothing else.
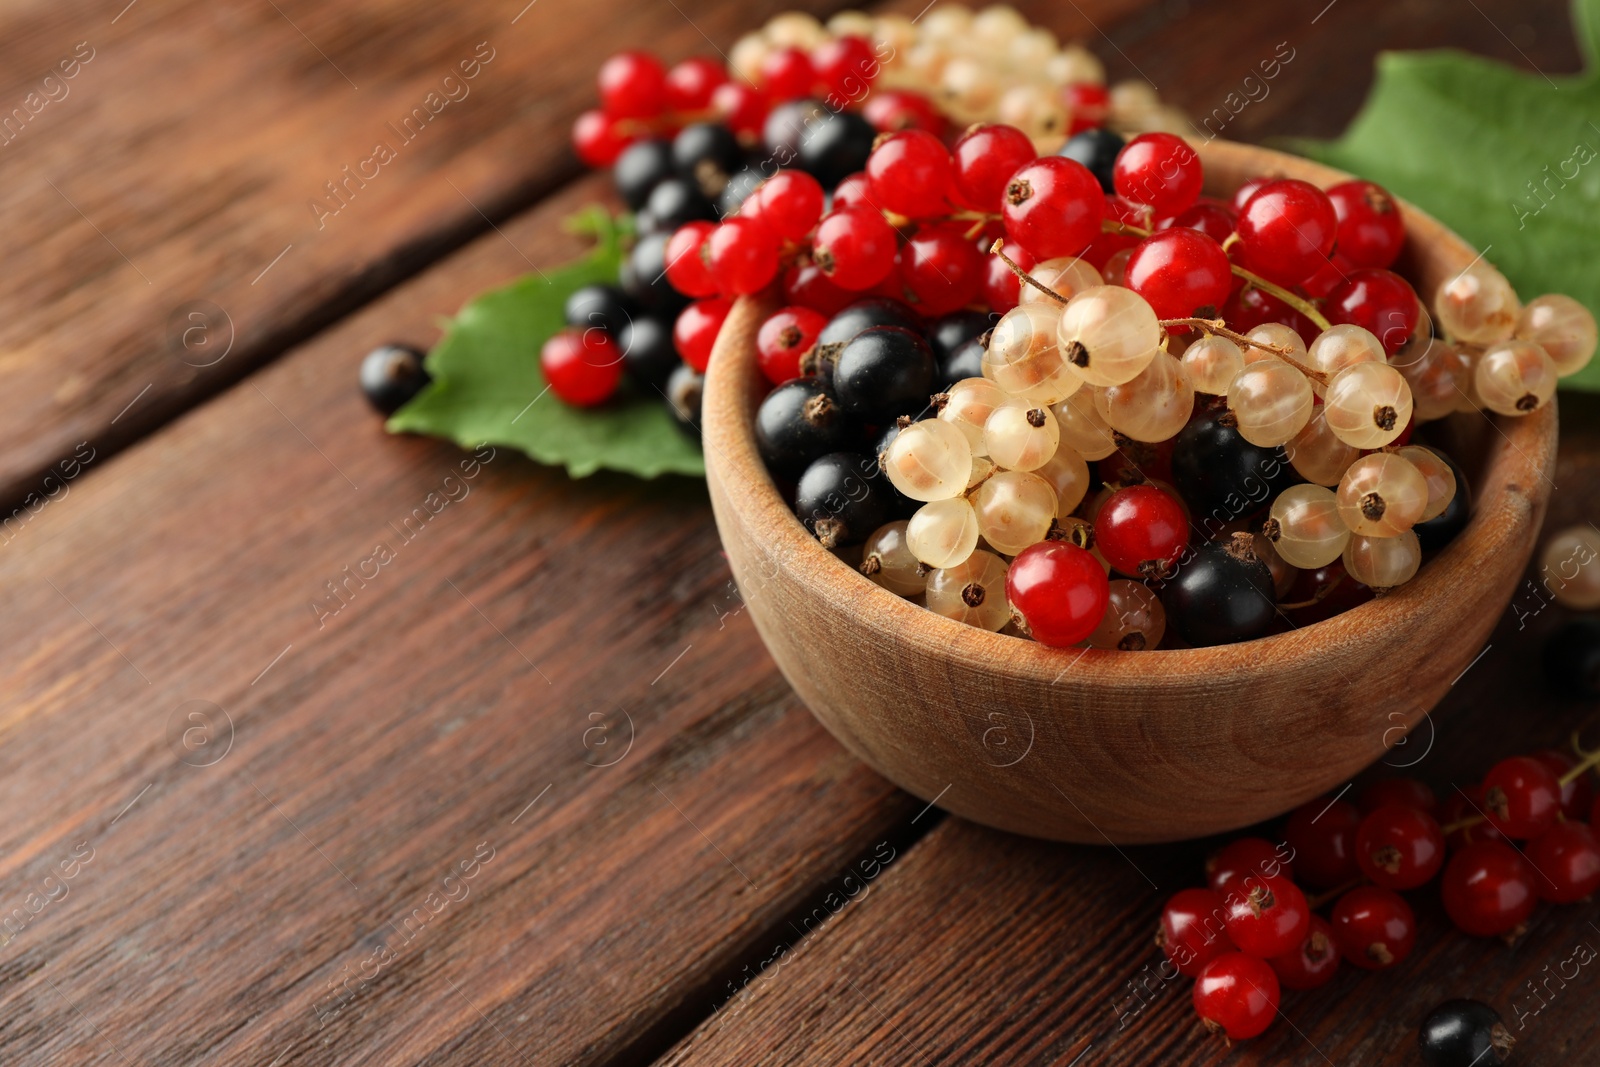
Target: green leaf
(1509, 160)
(487, 387)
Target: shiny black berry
(787, 125)
(1221, 593)
(836, 147)
(604, 306)
(1443, 527)
(642, 166)
(1572, 659)
(883, 372)
(648, 354)
(391, 375)
(1464, 1033)
(1096, 149)
(685, 389)
(843, 327)
(738, 190)
(964, 362)
(1223, 477)
(949, 332)
(799, 421)
(707, 154)
(842, 497)
(673, 203)
(644, 277)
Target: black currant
(1096, 149)
(644, 277)
(685, 389)
(950, 332)
(1464, 1033)
(842, 328)
(1223, 477)
(786, 126)
(706, 154)
(836, 147)
(1221, 593)
(1572, 658)
(738, 190)
(799, 421)
(648, 354)
(1443, 527)
(842, 497)
(391, 375)
(641, 167)
(604, 306)
(964, 362)
(673, 203)
(883, 372)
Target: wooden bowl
(1095, 746)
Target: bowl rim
(1512, 487)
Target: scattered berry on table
(391, 375)
(583, 367)
(1464, 1033)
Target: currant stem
(1313, 903)
(1589, 761)
(1299, 303)
(1024, 275)
(1218, 327)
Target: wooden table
(535, 794)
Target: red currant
(1328, 277)
(1378, 300)
(1250, 307)
(1374, 927)
(1406, 791)
(742, 256)
(583, 367)
(596, 140)
(847, 66)
(1371, 231)
(854, 191)
(1267, 916)
(1178, 271)
(686, 261)
(786, 336)
(805, 284)
(691, 83)
(743, 107)
(1566, 862)
(1313, 963)
(1053, 207)
(1488, 889)
(1211, 217)
(1246, 857)
(1464, 806)
(1142, 531)
(940, 270)
(855, 247)
(1399, 847)
(696, 330)
(1001, 287)
(791, 203)
(1242, 195)
(1059, 591)
(1521, 797)
(787, 74)
(633, 85)
(1190, 933)
(1088, 103)
(911, 174)
(1286, 230)
(986, 157)
(1576, 795)
(1323, 836)
(1237, 995)
(892, 110)
(1160, 171)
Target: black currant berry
(391, 375)
(738, 190)
(604, 306)
(1464, 1033)
(706, 154)
(1221, 593)
(884, 372)
(1572, 658)
(842, 497)
(1443, 527)
(644, 277)
(787, 125)
(648, 354)
(964, 362)
(1096, 149)
(1223, 477)
(799, 421)
(843, 327)
(836, 147)
(641, 167)
(949, 332)
(673, 203)
(685, 389)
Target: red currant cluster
(1252, 931)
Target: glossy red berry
(1286, 230)
(854, 191)
(1059, 591)
(1399, 847)
(1371, 231)
(1314, 962)
(1328, 277)
(1242, 195)
(686, 260)
(595, 139)
(1577, 795)
(1180, 271)
(633, 85)
(742, 256)
(1249, 307)
(805, 284)
(743, 107)
(847, 66)
(1267, 916)
(1088, 103)
(1237, 995)
(1159, 170)
(940, 270)
(1322, 835)
(691, 83)
(1460, 810)
(1487, 889)
(583, 367)
(1377, 300)
(1213, 218)
(791, 203)
(1521, 797)
(893, 110)
(1243, 858)
(1374, 927)
(1141, 531)
(1190, 932)
(784, 337)
(1566, 863)
(911, 174)
(855, 247)
(1053, 207)
(1405, 791)
(787, 74)
(1001, 287)
(696, 330)
(986, 157)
